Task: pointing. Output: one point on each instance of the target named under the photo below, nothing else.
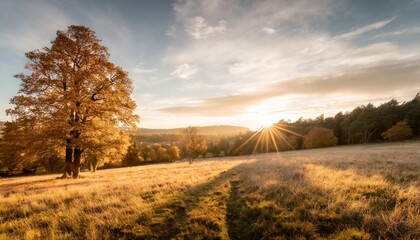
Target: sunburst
(269, 138)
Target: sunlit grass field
(357, 192)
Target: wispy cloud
(361, 30)
(184, 71)
(138, 69)
(245, 58)
(411, 30)
(215, 57)
(199, 29)
(268, 30)
(372, 81)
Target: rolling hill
(206, 130)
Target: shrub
(174, 153)
(400, 131)
(162, 154)
(319, 137)
(133, 156)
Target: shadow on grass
(10, 189)
(262, 200)
(256, 211)
(246, 211)
(199, 213)
(294, 208)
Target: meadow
(367, 191)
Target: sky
(233, 62)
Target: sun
(265, 122)
(269, 137)
(262, 116)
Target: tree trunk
(68, 160)
(91, 169)
(370, 135)
(76, 161)
(93, 166)
(348, 138)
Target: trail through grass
(359, 192)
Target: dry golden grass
(358, 192)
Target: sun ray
(270, 130)
(280, 136)
(287, 130)
(266, 140)
(258, 142)
(247, 141)
(268, 137)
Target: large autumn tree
(72, 101)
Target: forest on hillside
(389, 121)
(205, 130)
(364, 124)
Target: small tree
(133, 156)
(156, 147)
(148, 154)
(162, 154)
(319, 137)
(194, 143)
(400, 131)
(174, 153)
(202, 147)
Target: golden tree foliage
(74, 99)
(319, 137)
(174, 153)
(194, 143)
(400, 131)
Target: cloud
(361, 30)
(366, 81)
(138, 69)
(412, 30)
(268, 30)
(244, 58)
(199, 29)
(184, 71)
(373, 81)
(217, 106)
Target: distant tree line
(390, 121)
(158, 138)
(189, 145)
(138, 154)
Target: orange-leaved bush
(400, 131)
(319, 137)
